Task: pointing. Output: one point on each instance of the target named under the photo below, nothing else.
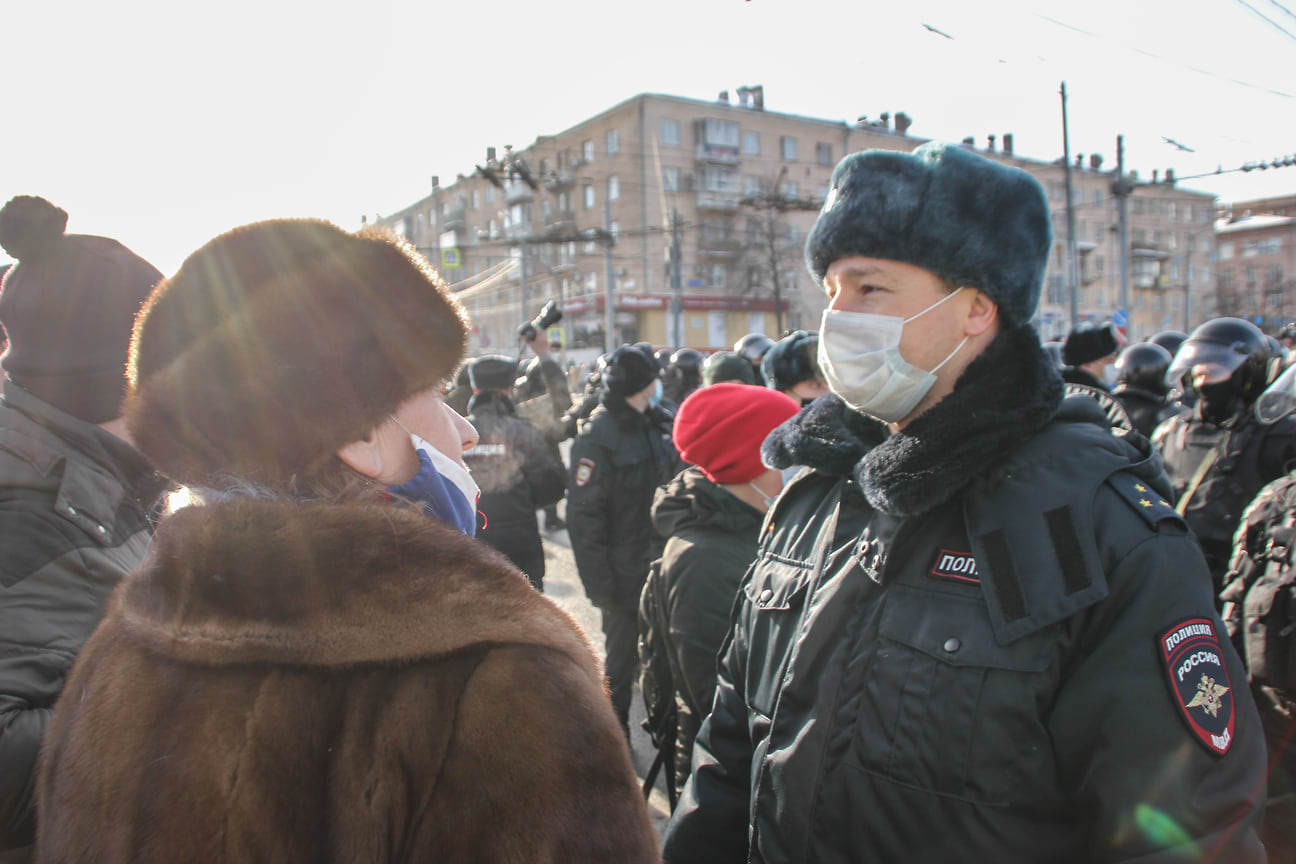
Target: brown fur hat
(278, 342)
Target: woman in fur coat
(307, 667)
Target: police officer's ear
(982, 313)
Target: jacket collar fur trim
(1003, 399)
(329, 584)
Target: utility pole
(609, 341)
(1122, 187)
(1070, 214)
(677, 283)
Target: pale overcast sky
(164, 122)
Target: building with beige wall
(730, 189)
(1257, 268)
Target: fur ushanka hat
(962, 216)
(278, 342)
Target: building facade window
(671, 179)
(613, 188)
(613, 142)
(788, 148)
(587, 151)
(474, 199)
(1226, 252)
(751, 186)
(716, 276)
(823, 154)
(751, 143)
(670, 133)
(789, 189)
(587, 196)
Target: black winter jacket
(711, 541)
(75, 507)
(518, 474)
(984, 638)
(618, 460)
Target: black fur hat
(962, 216)
(791, 360)
(1084, 344)
(492, 372)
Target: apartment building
(691, 216)
(1257, 263)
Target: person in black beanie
(513, 464)
(619, 457)
(974, 630)
(76, 497)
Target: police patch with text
(584, 471)
(1199, 680)
(958, 566)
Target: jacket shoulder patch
(1145, 500)
(584, 471)
(1199, 681)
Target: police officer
(973, 631)
(620, 456)
(752, 348)
(728, 366)
(683, 375)
(791, 366)
(1141, 386)
(513, 465)
(544, 385)
(1088, 354)
(1218, 455)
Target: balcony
(559, 182)
(518, 193)
(725, 201)
(717, 154)
(455, 220)
(559, 221)
(720, 247)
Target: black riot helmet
(1170, 340)
(1143, 366)
(688, 359)
(1226, 362)
(752, 347)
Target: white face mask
(451, 470)
(859, 354)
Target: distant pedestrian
(315, 663)
(514, 466)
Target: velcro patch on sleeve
(1199, 681)
(584, 471)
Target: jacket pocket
(946, 708)
(775, 595)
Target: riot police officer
(791, 366)
(752, 348)
(1141, 386)
(683, 375)
(1218, 456)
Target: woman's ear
(364, 455)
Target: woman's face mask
(444, 487)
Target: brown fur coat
(333, 682)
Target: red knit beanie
(720, 429)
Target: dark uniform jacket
(1259, 598)
(711, 542)
(1146, 410)
(950, 648)
(75, 505)
(1250, 455)
(618, 460)
(332, 682)
(518, 475)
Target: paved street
(562, 585)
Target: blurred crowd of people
(914, 582)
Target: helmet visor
(1279, 398)
(1205, 363)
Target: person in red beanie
(711, 512)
